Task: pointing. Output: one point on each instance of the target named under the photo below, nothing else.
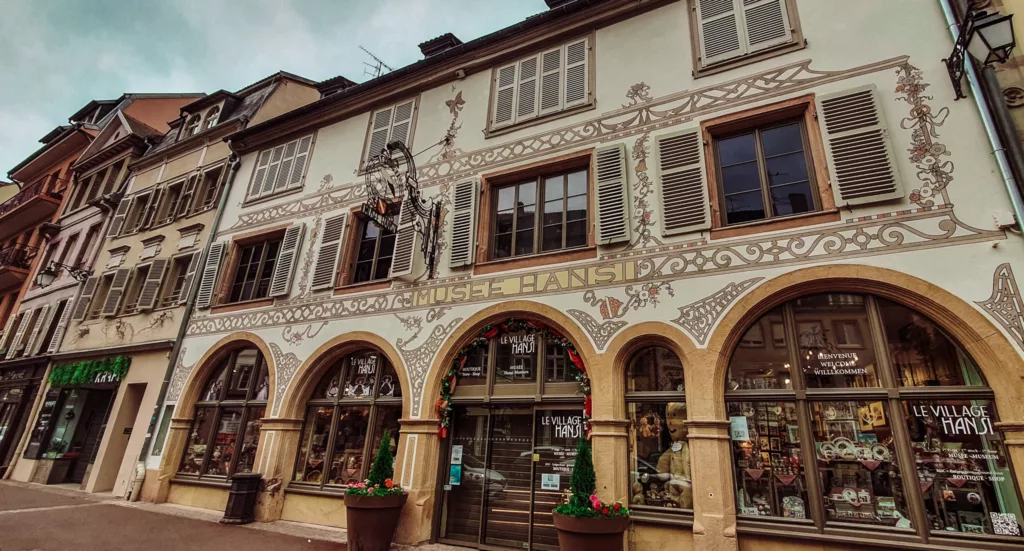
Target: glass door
(557, 433)
(507, 481)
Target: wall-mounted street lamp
(46, 276)
(988, 37)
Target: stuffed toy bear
(674, 464)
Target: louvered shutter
(284, 268)
(19, 335)
(117, 285)
(684, 200)
(299, 166)
(861, 160)
(551, 81)
(285, 171)
(719, 30)
(4, 341)
(119, 216)
(151, 287)
(526, 98)
(576, 82)
(276, 155)
(45, 317)
(463, 225)
(190, 278)
(188, 194)
(612, 194)
(404, 256)
(149, 216)
(209, 279)
(402, 123)
(767, 23)
(261, 174)
(62, 325)
(82, 306)
(327, 256)
(379, 133)
(504, 96)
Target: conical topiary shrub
(583, 500)
(380, 482)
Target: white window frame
(274, 164)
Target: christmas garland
(511, 325)
(87, 371)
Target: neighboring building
(26, 223)
(85, 398)
(737, 217)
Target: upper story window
(542, 84)
(255, 270)
(374, 252)
(390, 124)
(193, 125)
(280, 168)
(212, 118)
(544, 214)
(734, 30)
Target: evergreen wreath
(511, 325)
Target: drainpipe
(991, 131)
(147, 445)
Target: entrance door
(8, 424)
(89, 432)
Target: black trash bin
(242, 498)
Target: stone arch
(205, 366)
(995, 356)
(626, 343)
(470, 327)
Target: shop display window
(860, 429)
(356, 400)
(516, 358)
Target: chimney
(440, 44)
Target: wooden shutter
(379, 132)
(281, 282)
(119, 216)
(285, 172)
(62, 325)
(261, 174)
(82, 306)
(327, 256)
(209, 279)
(45, 317)
(15, 345)
(149, 215)
(684, 200)
(7, 331)
(861, 160)
(719, 30)
(190, 277)
(151, 287)
(551, 81)
(576, 82)
(276, 155)
(188, 194)
(117, 285)
(526, 97)
(299, 166)
(504, 96)
(403, 122)
(613, 224)
(463, 226)
(767, 23)
(404, 256)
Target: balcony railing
(17, 256)
(51, 186)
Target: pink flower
(595, 502)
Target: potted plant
(372, 508)
(583, 521)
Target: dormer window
(212, 118)
(192, 127)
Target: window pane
(503, 223)
(329, 386)
(740, 178)
(736, 150)
(224, 442)
(310, 465)
(390, 387)
(524, 242)
(962, 467)
(474, 371)
(660, 462)
(654, 369)
(195, 449)
(370, 230)
(516, 358)
(786, 169)
(528, 193)
(577, 183)
(576, 233)
(525, 217)
(576, 208)
(768, 467)
(363, 272)
(922, 353)
(552, 238)
(349, 439)
(383, 268)
(367, 248)
(857, 463)
(215, 386)
(558, 368)
(506, 198)
(250, 440)
(503, 246)
(792, 199)
(836, 348)
(761, 361)
(553, 188)
(781, 139)
(242, 374)
(553, 212)
(387, 419)
(744, 207)
(362, 375)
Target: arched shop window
(228, 416)
(658, 447)
(848, 408)
(357, 397)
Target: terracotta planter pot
(372, 521)
(590, 534)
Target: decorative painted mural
(926, 152)
(1006, 305)
(286, 364)
(179, 376)
(699, 317)
(417, 360)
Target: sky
(57, 55)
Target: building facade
(764, 263)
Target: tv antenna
(375, 69)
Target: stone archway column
(275, 458)
(1013, 440)
(609, 445)
(158, 489)
(416, 468)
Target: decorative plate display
(313, 476)
(880, 452)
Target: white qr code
(1005, 524)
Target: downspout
(986, 118)
(193, 292)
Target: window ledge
(728, 65)
(188, 480)
(489, 133)
(267, 198)
(671, 517)
(543, 259)
(300, 488)
(363, 287)
(776, 224)
(235, 306)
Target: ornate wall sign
(697, 318)
(1006, 305)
